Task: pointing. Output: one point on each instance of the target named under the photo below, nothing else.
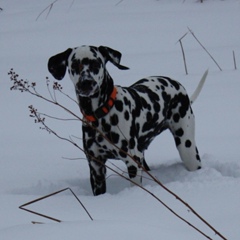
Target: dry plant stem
(146, 190)
(186, 204)
(184, 59)
(39, 214)
(234, 61)
(204, 49)
(34, 112)
(183, 53)
(47, 196)
(140, 186)
(81, 204)
(118, 2)
(71, 4)
(49, 8)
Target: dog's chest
(108, 144)
(138, 115)
(127, 127)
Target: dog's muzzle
(86, 88)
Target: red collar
(104, 109)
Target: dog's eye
(94, 66)
(80, 67)
(75, 64)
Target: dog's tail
(199, 87)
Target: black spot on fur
(94, 65)
(163, 82)
(126, 102)
(100, 138)
(166, 97)
(142, 81)
(106, 126)
(89, 131)
(126, 115)
(152, 96)
(156, 107)
(124, 149)
(185, 103)
(177, 141)
(89, 143)
(173, 83)
(132, 171)
(75, 66)
(176, 117)
(113, 137)
(144, 103)
(101, 151)
(132, 143)
(197, 155)
(179, 132)
(93, 50)
(151, 122)
(114, 119)
(133, 131)
(188, 143)
(119, 105)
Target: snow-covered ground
(147, 33)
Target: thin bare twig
(140, 186)
(143, 188)
(118, 2)
(204, 49)
(49, 8)
(49, 91)
(57, 118)
(73, 159)
(234, 61)
(25, 86)
(50, 195)
(71, 4)
(184, 58)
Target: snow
(147, 34)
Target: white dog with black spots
(128, 117)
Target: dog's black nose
(85, 87)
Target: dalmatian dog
(120, 122)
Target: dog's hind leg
(184, 135)
(145, 165)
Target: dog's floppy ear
(113, 56)
(57, 64)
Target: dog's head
(86, 67)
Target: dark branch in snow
(23, 207)
(30, 87)
(205, 49)
(48, 9)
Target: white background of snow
(146, 32)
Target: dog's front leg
(97, 177)
(135, 170)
